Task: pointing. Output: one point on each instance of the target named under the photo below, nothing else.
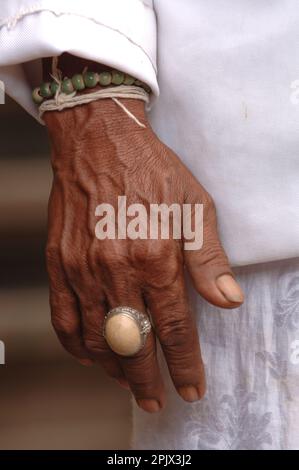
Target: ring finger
(141, 370)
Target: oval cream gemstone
(123, 335)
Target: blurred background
(47, 400)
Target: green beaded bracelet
(129, 80)
(88, 79)
(54, 87)
(67, 86)
(78, 82)
(117, 77)
(91, 79)
(105, 78)
(36, 96)
(45, 90)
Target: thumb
(209, 266)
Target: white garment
(105, 31)
(251, 356)
(225, 73)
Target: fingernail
(86, 362)
(123, 383)
(151, 406)
(230, 288)
(189, 393)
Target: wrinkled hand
(98, 154)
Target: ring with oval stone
(125, 330)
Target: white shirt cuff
(118, 33)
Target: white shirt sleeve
(118, 33)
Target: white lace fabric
(252, 370)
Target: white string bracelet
(63, 100)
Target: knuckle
(52, 254)
(142, 380)
(113, 259)
(213, 254)
(141, 387)
(165, 267)
(64, 326)
(141, 362)
(174, 331)
(209, 210)
(209, 203)
(93, 305)
(70, 261)
(205, 198)
(95, 345)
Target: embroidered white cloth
(252, 362)
(227, 106)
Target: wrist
(88, 126)
(76, 132)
